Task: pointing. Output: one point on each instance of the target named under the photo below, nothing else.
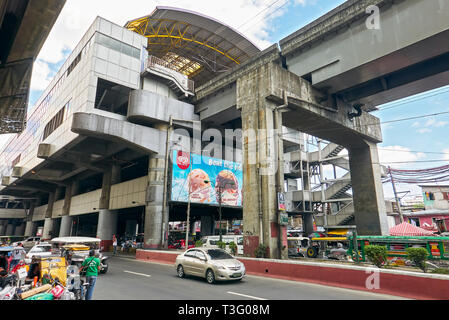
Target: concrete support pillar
(65, 226)
(47, 233)
(260, 164)
(153, 209)
(207, 225)
(65, 229)
(2, 227)
(107, 227)
(29, 229)
(48, 229)
(369, 204)
(29, 219)
(107, 219)
(154, 227)
(10, 229)
(20, 230)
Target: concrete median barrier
(408, 284)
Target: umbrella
(407, 229)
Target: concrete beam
(143, 138)
(271, 54)
(147, 107)
(337, 19)
(312, 111)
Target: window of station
(119, 46)
(92, 183)
(135, 169)
(112, 97)
(54, 123)
(74, 64)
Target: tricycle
(76, 250)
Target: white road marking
(246, 296)
(139, 274)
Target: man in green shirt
(92, 265)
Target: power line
(414, 99)
(429, 152)
(316, 129)
(268, 7)
(417, 117)
(414, 161)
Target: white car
(42, 249)
(28, 243)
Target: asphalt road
(130, 279)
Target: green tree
(233, 248)
(221, 245)
(261, 251)
(199, 243)
(377, 255)
(418, 256)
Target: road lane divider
(246, 296)
(138, 274)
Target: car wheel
(210, 277)
(180, 270)
(312, 252)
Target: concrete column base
(107, 227)
(66, 226)
(48, 229)
(2, 228)
(20, 230)
(153, 226)
(154, 217)
(10, 230)
(29, 229)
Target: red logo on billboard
(183, 160)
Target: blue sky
(265, 22)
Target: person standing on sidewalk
(114, 244)
(92, 265)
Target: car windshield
(216, 254)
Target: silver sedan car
(212, 264)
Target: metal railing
(156, 63)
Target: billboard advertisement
(206, 176)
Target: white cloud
(398, 156)
(424, 130)
(41, 75)
(434, 123)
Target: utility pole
(398, 201)
(188, 206)
(220, 191)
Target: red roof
(407, 229)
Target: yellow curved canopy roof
(193, 44)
